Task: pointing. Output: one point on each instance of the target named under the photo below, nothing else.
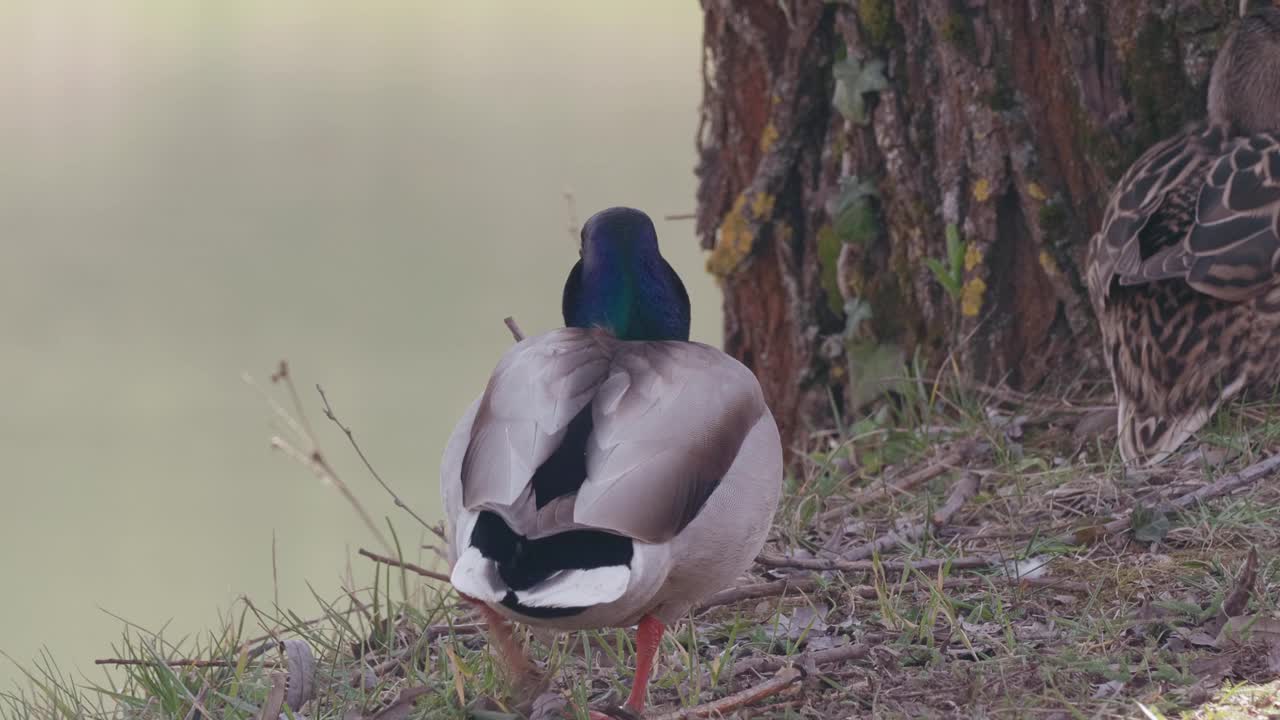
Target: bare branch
(351, 437)
(310, 455)
(406, 565)
(514, 328)
(320, 466)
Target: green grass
(1117, 635)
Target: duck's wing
(660, 424)
(1233, 251)
(1191, 232)
(538, 388)
(1150, 210)
(668, 423)
(1211, 216)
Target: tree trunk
(896, 181)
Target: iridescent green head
(622, 283)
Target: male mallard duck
(613, 472)
(1183, 273)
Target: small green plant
(950, 275)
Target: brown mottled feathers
(1183, 278)
(668, 420)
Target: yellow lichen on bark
(768, 137)
(762, 206)
(982, 190)
(1047, 263)
(972, 257)
(737, 234)
(971, 297)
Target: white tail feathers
(578, 588)
(476, 576)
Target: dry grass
(1058, 619)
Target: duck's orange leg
(648, 637)
(517, 663)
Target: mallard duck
(613, 473)
(1183, 272)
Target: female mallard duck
(613, 472)
(1183, 273)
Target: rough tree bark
(843, 143)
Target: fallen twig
(808, 583)
(956, 563)
(1224, 486)
(882, 490)
(179, 662)
(1027, 400)
(770, 663)
(1230, 483)
(759, 590)
(725, 705)
(964, 488)
(1049, 583)
(406, 565)
(351, 437)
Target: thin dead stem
(516, 333)
(405, 565)
(177, 662)
(351, 437)
(304, 449)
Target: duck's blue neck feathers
(623, 284)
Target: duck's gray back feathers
(667, 421)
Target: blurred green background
(192, 189)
